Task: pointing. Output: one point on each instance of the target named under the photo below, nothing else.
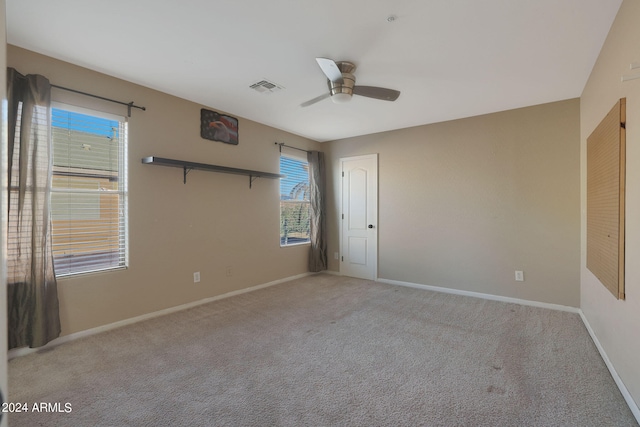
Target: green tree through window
(294, 201)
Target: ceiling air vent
(265, 86)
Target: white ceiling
(449, 58)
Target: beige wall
(463, 204)
(212, 222)
(616, 323)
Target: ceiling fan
(342, 84)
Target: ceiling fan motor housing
(342, 92)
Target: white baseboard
(623, 389)
(483, 296)
(17, 352)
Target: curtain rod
(282, 144)
(128, 104)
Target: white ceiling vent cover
(266, 87)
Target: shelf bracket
(251, 179)
(186, 171)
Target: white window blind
(294, 201)
(89, 191)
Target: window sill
(295, 244)
(92, 272)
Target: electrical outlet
(519, 276)
(196, 277)
(229, 271)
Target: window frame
(300, 158)
(123, 185)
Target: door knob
(370, 225)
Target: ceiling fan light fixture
(341, 98)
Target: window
(89, 191)
(294, 201)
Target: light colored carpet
(329, 351)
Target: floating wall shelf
(189, 166)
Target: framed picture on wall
(218, 127)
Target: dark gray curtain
(318, 229)
(32, 296)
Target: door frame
(374, 157)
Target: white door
(359, 231)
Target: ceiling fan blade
(316, 99)
(377, 92)
(330, 69)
